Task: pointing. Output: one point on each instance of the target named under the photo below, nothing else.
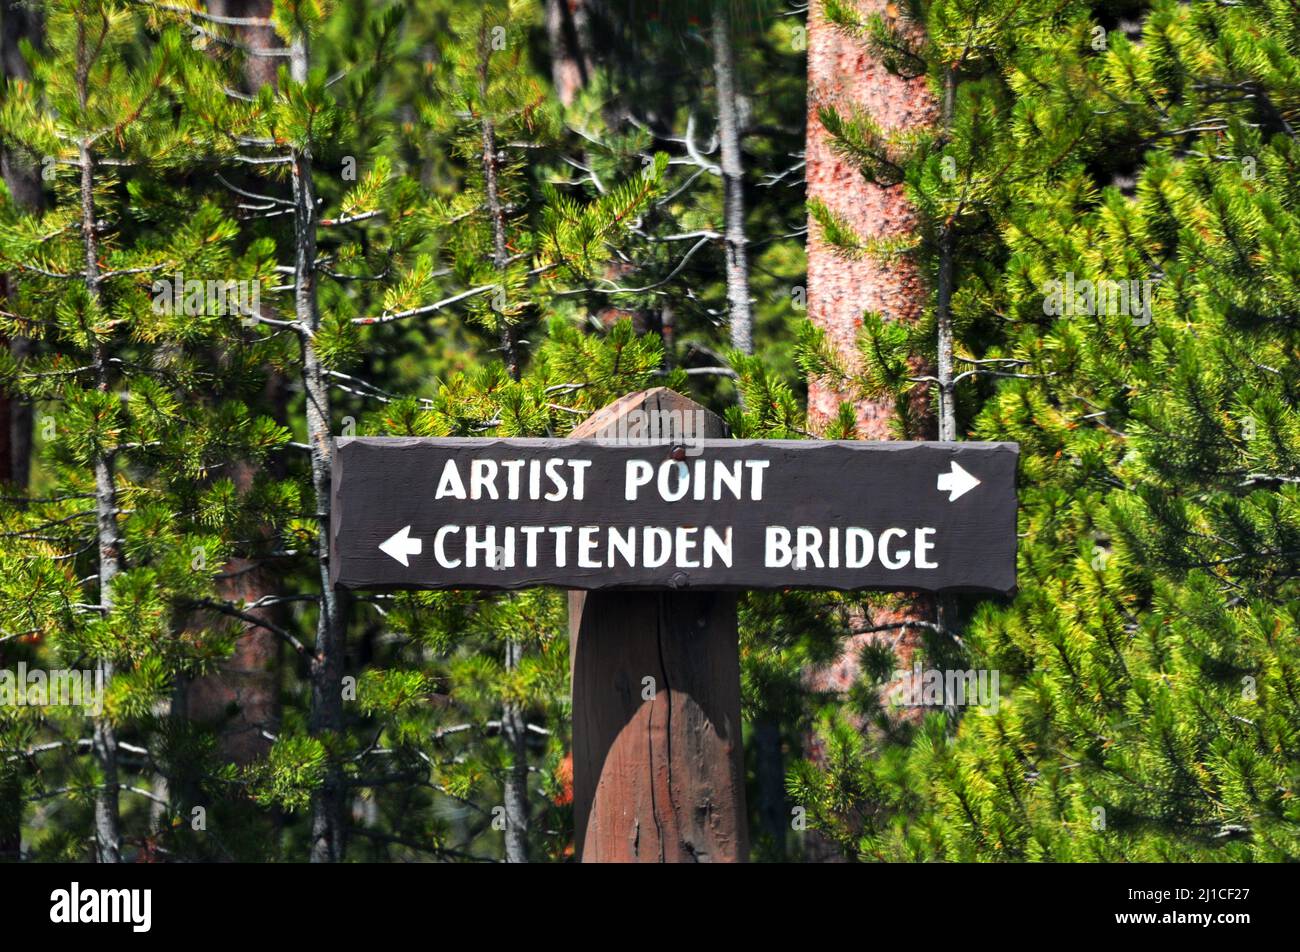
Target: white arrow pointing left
(400, 544)
(956, 483)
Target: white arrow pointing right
(956, 483)
(400, 545)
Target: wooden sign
(636, 513)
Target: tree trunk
(513, 727)
(108, 836)
(946, 605)
(259, 71)
(16, 416)
(769, 782)
(328, 821)
(108, 839)
(573, 62)
(18, 22)
(844, 72)
(943, 304)
(739, 308)
(500, 257)
(514, 730)
(568, 34)
(242, 694)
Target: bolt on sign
(612, 513)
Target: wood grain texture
(658, 780)
(658, 771)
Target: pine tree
(1147, 680)
(481, 257)
(101, 566)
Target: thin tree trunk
(946, 605)
(107, 825)
(327, 825)
(500, 257)
(733, 182)
(943, 309)
(943, 317)
(513, 731)
(108, 836)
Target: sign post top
(656, 403)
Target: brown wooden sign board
(709, 514)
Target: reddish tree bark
(568, 33)
(843, 72)
(259, 71)
(242, 695)
(18, 22)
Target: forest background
(232, 232)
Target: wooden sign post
(653, 521)
(658, 759)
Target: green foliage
(456, 284)
(489, 259)
(1148, 662)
